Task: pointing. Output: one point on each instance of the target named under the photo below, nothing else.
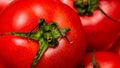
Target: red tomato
(4, 3)
(101, 32)
(2, 64)
(116, 47)
(17, 52)
(104, 59)
(23, 16)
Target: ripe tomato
(4, 3)
(101, 32)
(116, 47)
(17, 52)
(2, 64)
(23, 16)
(103, 59)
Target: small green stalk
(94, 61)
(47, 36)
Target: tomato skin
(4, 3)
(104, 59)
(116, 47)
(64, 55)
(17, 51)
(2, 65)
(100, 31)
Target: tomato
(22, 16)
(4, 3)
(101, 32)
(103, 59)
(116, 47)
(2, 64)
(15, 50)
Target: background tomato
(22, 16)
(116, 47)
(104, 59)
(101, 32)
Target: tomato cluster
(59, 34)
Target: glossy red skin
(4, 3)
(100, 31)
(2, 65)
(64, 55)
(104, 59)
(17, 52)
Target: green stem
(40, 52)
(40, 22)
(47, 35)
(94, 62)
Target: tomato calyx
(47, 36)
(94, 62)
(85, 7)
